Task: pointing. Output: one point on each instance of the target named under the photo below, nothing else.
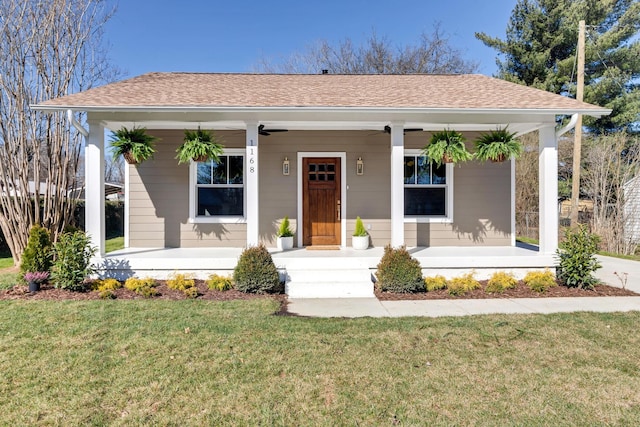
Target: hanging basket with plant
(497, 146)
(134, 144)
(199, 146)
(447, 146)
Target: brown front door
(321, 201)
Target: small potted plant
(447, 146)
(360, 238)
(134, 144)
(285, 235)
(199, 146)
(35, 279)
(497, 146)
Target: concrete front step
(329, 283)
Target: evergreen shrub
(399, 272)
(256, 272)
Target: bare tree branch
(433, 54)
(48, 48)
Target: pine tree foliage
(540, 51)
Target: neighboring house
(457, 217)
(112, 192)
(14, 190)
(632, 210)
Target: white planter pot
(285, 243)
(360, 242)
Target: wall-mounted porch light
(285, 166)
(359, 166)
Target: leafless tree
(527, 187)
(48, 48)
(611, 164)
(432, 54)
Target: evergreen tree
(540, 50)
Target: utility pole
(577, 143)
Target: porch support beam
(94, 186)
(251, 186)
(397, 184)
(548, 190)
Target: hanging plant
(497, 146)
(134, 144)
(447, 146)
(199, 146)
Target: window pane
(235, 169)
(220, 201)
(204, 173)
(424, 201)
(439, 174)
(424, 175)
(331, 167)
(220, 171)
(409, 170)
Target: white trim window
(217, 192)
(428, 189)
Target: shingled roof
(180, 90)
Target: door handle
(338, 210)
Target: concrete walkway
(628, 274)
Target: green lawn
(6, 260)
(114, 244)
(234, 363)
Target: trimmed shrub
(398, 271)
(145, 287)
(540, 281)
(106, 287)
(577, 258)
(72, 261)
(435, 283)
(183, 283)
(216, 282)
(462, 284)
(256, 272)
(500, 281)
(37, 254)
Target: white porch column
(548, 197)
(94, 185)
(251, 186)
(397, 184)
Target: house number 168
(252, 161)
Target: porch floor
(132, 261)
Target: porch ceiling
(520, 122)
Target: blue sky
(230, 36)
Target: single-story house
(322, 150)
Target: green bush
(256, 272)
(184, 283)
(72, 261)
(435, 283)
(500, 281)
(577, 258)
(37, 254)
(359, 230)
(462, 284)
(216, 282)
(145, 287)
(398, 271)
(540, 281)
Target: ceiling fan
(387, 129)
(267, 132)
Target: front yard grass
(234, 363)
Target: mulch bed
(520, 291)
(48, 292)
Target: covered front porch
(325, 273)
